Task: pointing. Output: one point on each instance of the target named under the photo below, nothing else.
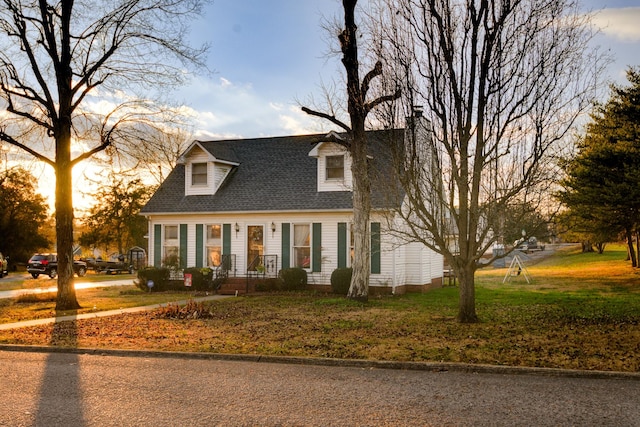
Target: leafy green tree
(602, 187)
(113, 222)
(23, 215)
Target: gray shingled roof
(274, 174)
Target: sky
(268, 57)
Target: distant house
(271, 203)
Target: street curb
(348, 363)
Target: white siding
(410, 264)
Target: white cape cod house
(276, 203)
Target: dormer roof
(216, 154)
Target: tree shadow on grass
(60, 396)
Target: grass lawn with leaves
(581, 311)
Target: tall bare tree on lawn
(57, 57)
(501, 83)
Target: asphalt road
(63, 389)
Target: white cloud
(223, 108)
(620, 23)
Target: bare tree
(146, 144)
(55, 58)
(501, 84)
(356, 143)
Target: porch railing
(262, 266)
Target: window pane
(170, 232)
(199, 174)
(214, 255)
(301, 245)
(214, 244)
(351, 245)
(302, 257)
(301, 234)
(335, 167)
(213, 232)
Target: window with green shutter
(183, 246)
(157, 245)
(316, 248)
(375, 248)
(199, 245)
(286, 245)
(342, 244)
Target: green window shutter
(342, 244)
(316, 248)
(183, 245)
(157, 245)
(226, 239)
(286, 245)
(199, 245)
(375, 248)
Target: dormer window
(199, 174)
(335, 167)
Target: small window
(199, 174)
(335, 167)
(302, 245)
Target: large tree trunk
(66, 298)
(467, 294)
(359, 289)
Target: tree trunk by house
(358, 108)
(359, 289)
(467, 294)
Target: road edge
(349, 363)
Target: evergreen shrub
(293, 279)
(341, 280)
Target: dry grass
(42, 305)
(564, 320)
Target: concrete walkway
(38, 322)
(14, 293)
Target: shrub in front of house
(293, 279)
(198, 280)
(159, 276)
(341, 280)
(270, 284)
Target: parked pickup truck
(115, 264)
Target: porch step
(237, 285)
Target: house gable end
(333, 167)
